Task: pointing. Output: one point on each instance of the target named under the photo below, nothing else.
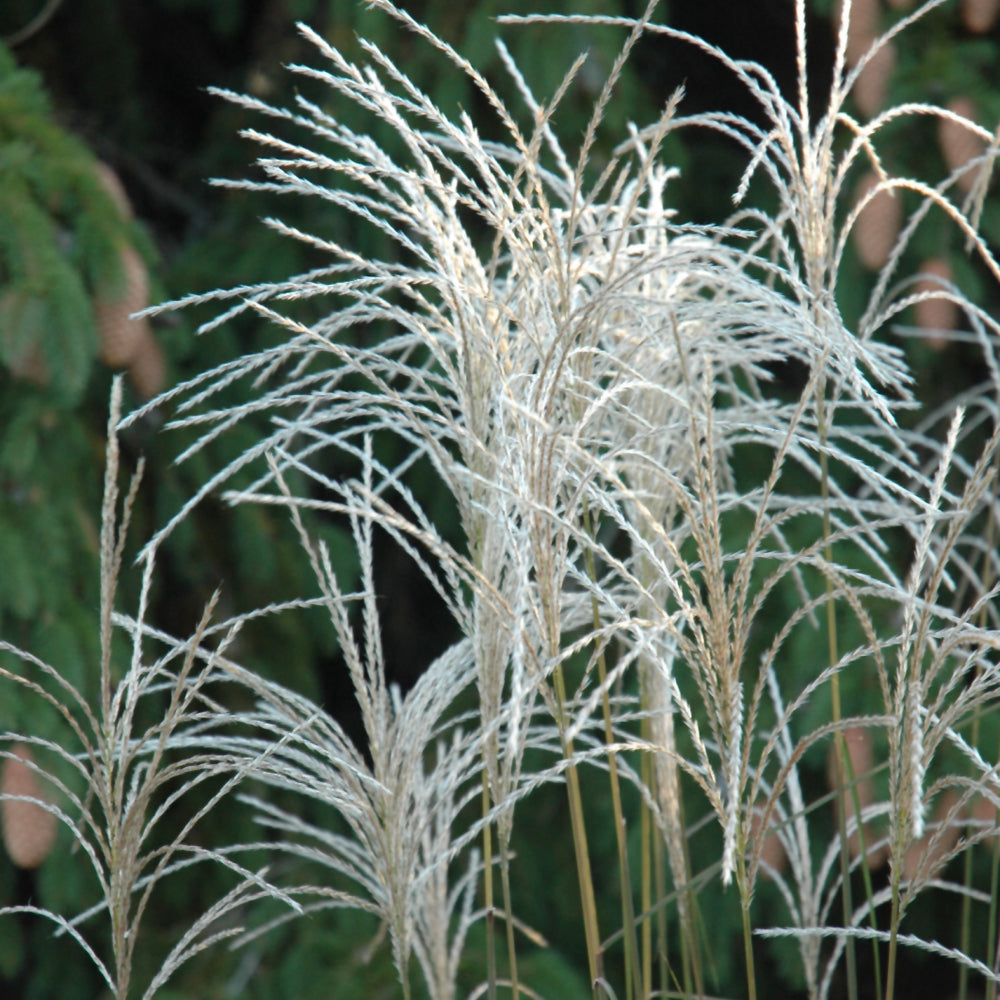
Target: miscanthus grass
(674, 567)
(116, 780)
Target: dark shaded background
(130, 80)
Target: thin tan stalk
(842, 764)
(991, 931)
(991, 927)
(966, 931)
(491, 952)
(746, 897)
(890, 972)
(508, 903)
(693, 972)
(490, 903)
(587, 900)
(646, 872)
(660, 886)
(844, 761)
(633, 972)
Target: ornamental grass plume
(117, 785)
(401, 806)
(672, 566)
(588, 377)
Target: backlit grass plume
(705, 537)
(129, 807)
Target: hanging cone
(959, 144)
(935, 315)
(872, 85)
(984, 813)
(23, 361)
(877, 226)
(32, 368)
(772, 851)
(859, 751)
(120, 336)
(29, 830)
(979, 16)
(148, 368)
(926, 857)
(113, 185)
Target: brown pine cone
(979, 16)
(29, 830)
(148, 367)
(872, 85)
(959, 143)
(858, 740)
(936, 315)
(877, 226)
(121, 336)
(113, 185)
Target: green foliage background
(125, 82)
